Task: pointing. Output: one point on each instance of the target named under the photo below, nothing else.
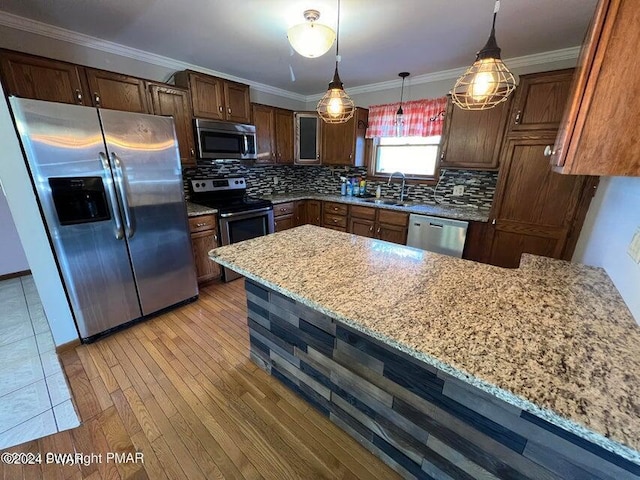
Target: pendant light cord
(338, 37)
(496, 9)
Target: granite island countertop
(468, 213)
(552, 338)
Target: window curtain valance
(422, 118)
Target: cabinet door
(301, 212)
(392, 233)
(175, 102)
(41, 79)
(472, 139)
(314, 212)
(540, 101)
(338, 143)
(477, 243)
(236, 99)
(207, 95)
(117, 92)
(202, 242)
(284, 136)
(263, 118)
(362, 227)
(534, 208)
(284, 223)
(307, 138)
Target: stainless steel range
(240, 217)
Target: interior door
(64, 143)
(144, 157)
(534, 207)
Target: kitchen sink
(382, 201)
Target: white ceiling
(378, 38)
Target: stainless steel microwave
(223, 140)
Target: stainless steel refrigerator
(110, 189)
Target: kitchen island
(442, 366)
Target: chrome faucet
(403, 182)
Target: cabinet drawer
(393, 218)
(339, 229)
(329, 219)
(283, 209)
(202, 223)
(335, 208)
(367, 213)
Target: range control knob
(197, 185)
(236, 182)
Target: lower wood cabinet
(284, 216)
(314, 212)
(379, 223)
(301, 212)
(204, 237)
(334, 215)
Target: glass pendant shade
(400, 113)
(486, 83)
(336, 106)
(311, 39)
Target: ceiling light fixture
(488, 81)
(400, 112)
(336, 106)
(311, 39)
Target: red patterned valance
(422, 118)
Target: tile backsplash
(479, 187)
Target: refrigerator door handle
(113, 202)
(128, 218)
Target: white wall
(12, 259)
(24, 209)
(612, 220)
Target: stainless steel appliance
(240, 217)
(440, 235)
(109, 185)
(224, 140)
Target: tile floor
(34, 397)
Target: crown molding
(454, 73)
(50, 31)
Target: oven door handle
(245, 212)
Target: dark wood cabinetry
(175, 102)
(314, 212)
(598, 133)
(283, 136)
(41, 78)
(274, 132)
(284, 216)
(472, 139)
(343, 143)
(204, 237)
(307, 138)
(301, 212)
(540, 101)
(216, 98)
(379, 223)
(334, 215)
(117, 92)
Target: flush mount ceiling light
(311, 39)
(336, 106)
(400, 113)
(488, 81)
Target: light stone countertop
(468, 213)
(195, 210)
(553, 338)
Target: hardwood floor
(180, 388)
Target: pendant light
(336, 106)
(311, 39)
(400, 112)
(488, 81)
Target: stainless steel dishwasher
(440, 235)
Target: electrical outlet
(634, 247)
(275, 180)
(458, 190)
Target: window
(414, 156)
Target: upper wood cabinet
(283, 136)
(598, 134)
(262, 116)
(117, 92)
(540, 101)
(472, 139)
(41, 78)
(343, 143)
(307, 138)
(175, 102)
(216, 98)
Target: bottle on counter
(349, 188)
(343, 186)
(363, 187)
(378, 192)
(356, 187)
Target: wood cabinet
(116, 91)
(540, 101)
(175, 102)
(314, 212)
(284, 216)
(334, 215)
(283, 136)
(472, 139)
(216, 98)
(478, 242)
(387, 225)
(41, 78)
(598, 132)
(262, 116)
(307, 138)
(301, 213)
(204, 237)
(344, 143)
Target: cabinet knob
(201, 224)
(548, 151)
(371, 228)
(215, 237)
(193, 152)
(220, 109)
(493, 222)
(96, 99)
(335, 220)
(518, 117)
(442, 155)
(378, 231)
(335, 208)
(79, 96)
(229, 110)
